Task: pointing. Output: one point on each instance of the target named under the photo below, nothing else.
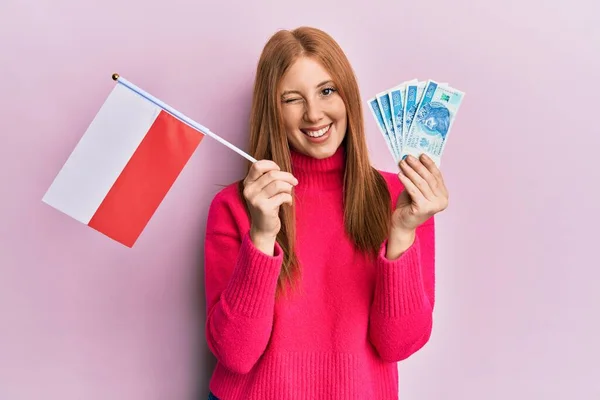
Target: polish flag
(123, 166)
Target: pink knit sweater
(354, 319)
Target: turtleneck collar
(313, 173)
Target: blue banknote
(414, 95)
(432, 121)
(377, 114)
(386, 112)
(397, 96)
(398, 109)
(414, 92)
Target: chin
(319, 152)
(323, 152)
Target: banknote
(397, 96)
(377, 114)
(432, 121)
(414, 94)
(383, 101)
(396, 109)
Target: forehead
(305, 72)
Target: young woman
(319, 268)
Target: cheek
(291, 119)
(340, 109)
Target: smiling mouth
(316, 133)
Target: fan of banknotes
(415, 117)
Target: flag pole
(180, 116)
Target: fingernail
(425, 157)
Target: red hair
(366, 196)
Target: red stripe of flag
(146, 179)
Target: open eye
(328, 91)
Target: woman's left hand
(424, 193)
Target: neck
(326, 173)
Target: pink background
(517, 313)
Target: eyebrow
(297, 92)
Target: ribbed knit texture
(341, 335)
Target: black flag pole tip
(115, 77)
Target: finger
(424, 173)
(268, 177)
(409, 169)
(411, 188)
(252, 189)
(259, 168)
(276, 187)
(280, 199)
(435, 172)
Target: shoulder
(227, 210)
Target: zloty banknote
(397, 97)
(377, 114)
(387, 118)
(385, 108)
(414, 94)
(433, 119)
(394, 111)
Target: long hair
(366, 196)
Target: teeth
(318, 133)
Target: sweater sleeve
(240, 289)
(402, 308)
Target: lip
(316, 128)
(321, 139)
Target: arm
(401, 313)
(240, 289)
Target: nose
(313, 112)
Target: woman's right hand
(266, 188)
